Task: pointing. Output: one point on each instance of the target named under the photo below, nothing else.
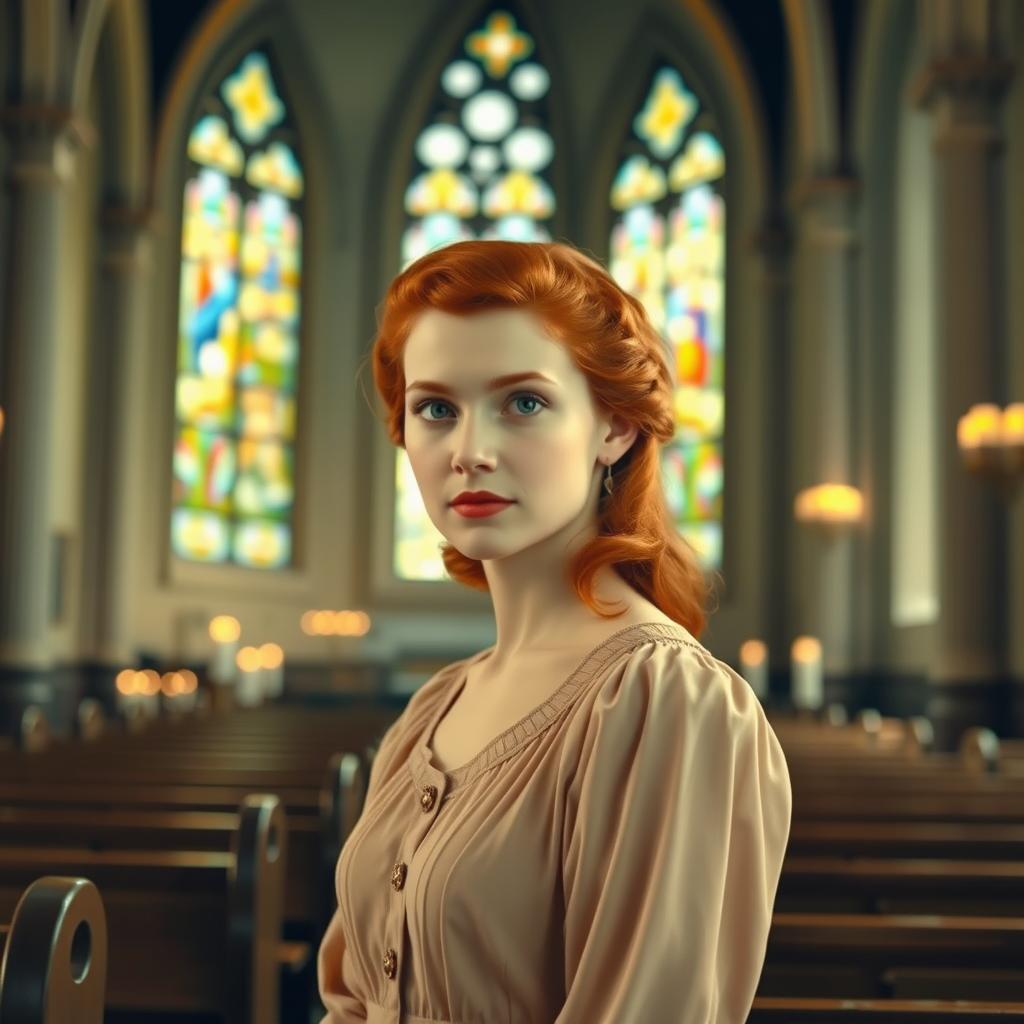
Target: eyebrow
(492, 385)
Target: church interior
(219, 585)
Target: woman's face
(535, 442)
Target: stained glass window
(481, 168)
(238, 328)
(667, 248)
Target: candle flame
(829, 503)
(225, 629)
(806, 649)
(249, 659)
(753, 652)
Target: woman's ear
(620, 436)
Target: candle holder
(754, 666)
(831, 510)
(991, 444)
(806, 686)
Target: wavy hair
(613, 343)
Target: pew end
(920, 736)
(835, 715)
(341, 804)
(90, 722)
(869, 721)
(256, 910)
(979, 751)
(54, 966)
(34, 732)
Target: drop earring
(608, 478)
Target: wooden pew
(188, 931)
(877, 836)
(158, 818)
(945, 840)
(101, 829)
(901, 886)
(53, 955)
(871, 956)
(108, 815)
(774, 1010)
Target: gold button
(427, 797)
(398, 876)
(390, 963)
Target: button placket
(430, 799)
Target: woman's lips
(479, 509)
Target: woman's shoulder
(668, 672)
(673, 702)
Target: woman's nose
(473, 440)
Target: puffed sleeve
(676, 825)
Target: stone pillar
(43, 140)
(963, 91)
(820, 445)
(123, 301)
(773, 246)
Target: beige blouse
(611, 858)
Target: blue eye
(525, 396)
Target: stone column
(963, 92)
(821, 446)
(43, 140)
(773, 246)
(123, 301)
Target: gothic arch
(813, 60)
(110, 41)
(223, 35)
(407, 116)
(226, 34)
(697, 40)
(880, 54)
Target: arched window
(481, 168)
(238, 327)
(667, 248)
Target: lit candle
(224, 631)
(273, 670)
(150, 699)
(178, 691)
(806, 687)
(249, 688)
(127, 696)
(754, 666)
(1013, 424)
(188, 697)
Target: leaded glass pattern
(667, 248)
(238, 328)
(481, 168)
(481, 164)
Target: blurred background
(205, 201)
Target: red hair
(612, 342)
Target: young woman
(585, 822)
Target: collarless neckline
(535, 721)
